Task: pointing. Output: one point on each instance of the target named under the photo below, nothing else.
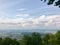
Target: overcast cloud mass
(28, 14)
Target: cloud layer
(50, 21)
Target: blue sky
(28, 14)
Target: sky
(28, 14)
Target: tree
(57, 3)
(7, 41)
(48, 39)
(1, 41)
(36, 39)
(10, 41)
(57, 38)
(26, 40)
(15, 42)
(33, 39)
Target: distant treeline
(33, 39)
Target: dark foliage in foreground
(56, 2)
(33, 39)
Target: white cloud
(22, 15)
(22, 9)
(42, 21)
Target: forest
(34, 39)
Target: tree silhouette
(56, 2)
